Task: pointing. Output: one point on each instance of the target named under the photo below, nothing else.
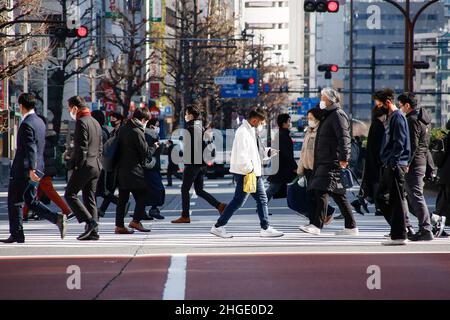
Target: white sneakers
(271, 233)
(310, 228)
(398, 242)
(221, 232)
(268, 233)
(348, 232)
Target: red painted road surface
(265, 276)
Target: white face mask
(259, 128)
(73, 115)
(322, 105)
(312, 123)
(157, 130)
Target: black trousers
(443, 202)
(193, 174)
(20, 192)
(139, 210)
(83, 179)
(312, 197)
(321, 209)
(173, 172)
(392, 201)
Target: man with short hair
(26, 169)
(246, 158)
(395, 154)
(419, 133)
(87, 150)
(194, 165)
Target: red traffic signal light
(82, 32)
(251, 80)
(333, 6)
(334, 68)
(321, 6)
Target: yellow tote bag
(250, 183)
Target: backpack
(110, 152)
(438, 151)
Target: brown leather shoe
(221, 208)
(138, 226)
(182, 220)
(123, 230)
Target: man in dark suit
(26, 169)
(87, 151)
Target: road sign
(246, 85)
(306, 104)
(228, 80)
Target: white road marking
(175, 287)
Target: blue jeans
(239, 199)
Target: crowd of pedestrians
(124, 156)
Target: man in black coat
(419, 132)
(373, 164)
(26, 171)
(287, 167)
(194, 165)
(133, 156)
(87, 152)
(332, 153)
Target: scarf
(85, 112)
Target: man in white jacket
(245, 158)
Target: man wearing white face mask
(194, 165)
(86, 164)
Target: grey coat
(331, 146)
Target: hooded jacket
(419, 132)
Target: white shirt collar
(28, 113)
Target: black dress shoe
(422, 235)
(90, 227)
(93, 237)
(61, 223)
(146, 217)
(155, 214)
(357, 206)
(12, 239)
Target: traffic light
(246, 82)
(421, 65)
(321, 6)
(328, 69)
(62, 32)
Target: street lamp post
(409, 38)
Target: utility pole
(372, 67)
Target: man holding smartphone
(26, 171)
